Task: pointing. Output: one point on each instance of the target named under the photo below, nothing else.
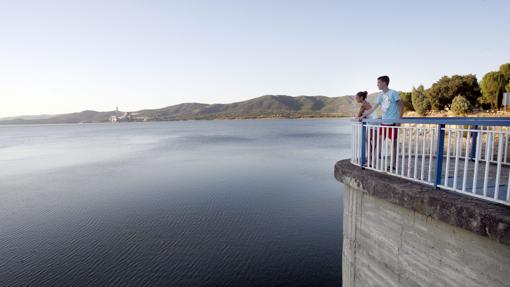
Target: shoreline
(181, 120)
(306, 117)
(187, 120)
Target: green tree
(507, 87)
(442, 92)
(460, 105)
(505, 70)
(421, 102)
(492, 86)
(406, 99)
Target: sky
(68, 56)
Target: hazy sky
(66, 56)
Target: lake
(192, 203)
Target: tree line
(460, 93)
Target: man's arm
(401, 107)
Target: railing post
(473, 142)
(363, 144)
(439, 156)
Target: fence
(466, 155)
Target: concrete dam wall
(401, 233)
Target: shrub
(460, 105)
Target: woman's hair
(362, 95)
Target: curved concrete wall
(389, 244)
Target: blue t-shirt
(389, 104)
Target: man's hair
(385, 79)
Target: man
(392, 108)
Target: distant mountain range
(270, 106)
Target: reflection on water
(198, 203)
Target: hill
(73, 118)
(269, 106)
(279, 106)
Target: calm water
(198, 203)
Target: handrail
(479, 121)
(448, 153)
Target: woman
(361, 97)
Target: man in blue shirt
(388, 100)
(392, 108)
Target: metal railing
(466, 155)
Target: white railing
(474, 153)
